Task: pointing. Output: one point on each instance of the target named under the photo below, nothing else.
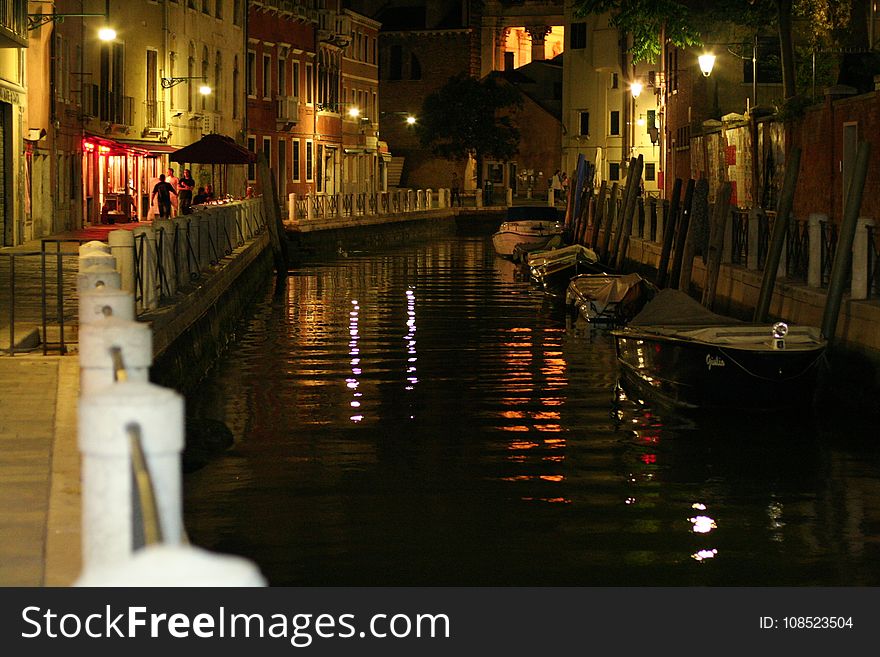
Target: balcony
(13, 24)
(286, 110)
(154, 115)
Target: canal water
(422, 416)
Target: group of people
(170, 194)
(559, 185)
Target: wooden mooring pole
(669, 234)
(777, 239)
(843, 254)
(717, 231)
(681, 231)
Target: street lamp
(106, 33)
(636, 89)
(707, 62)
(204, 89)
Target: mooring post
(636, 164)
(669, 234)
(860, 285)
(777, 239)
(698, 213)
(681, 231)
(843, 253)
(718, 230)
(599, 214)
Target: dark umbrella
(214, 149)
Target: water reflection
(416, 417)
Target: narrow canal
(418, 416)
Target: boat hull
(694, 375)
(512, 233)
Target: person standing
(556, 186)
(185, 187)
(174, 181)
(162, 193)
(455, 197)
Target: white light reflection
(353, 351)
(410, 339)
(702, 524)
(702, 555)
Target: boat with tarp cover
(611, 299)
(682, 354)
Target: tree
(467, 117)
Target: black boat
(682, 354)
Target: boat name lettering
(714, 361)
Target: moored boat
(682, 354)
(512, 233)
(552, 270)
(608, 298)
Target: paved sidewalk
(37, 435)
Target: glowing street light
(354, 112)
(205, 90)
(636, 89)
(410, 120)
(707, 62)
(107, 34)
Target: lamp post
(204, 89)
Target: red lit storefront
(117, 177)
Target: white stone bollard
(94, 245)
(164, 232)
(90, 278)
(478, 198)
(860, 284)
(814, 262)
(550, 200)
(96, 258)
(122, 246)
(98, 338)
(107, 491)
(510, 196)
(146, 236)
(97, 304)
(174, 566)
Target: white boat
(608, 298)
(512, 233)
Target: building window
(252, 167)
(584, 124)
(578, 36)
(267, 76)
(218, 9)
(319, 173)
(236, 110)
(309, 83)
(206, 9)
(217, 91)
(294, 157)
(294, 80)
(614, 128)
(282, 78)
(652, 119)
(282, 169)
(236, 12)
(309, 160)
(615, 81)
(251, 74)
(415, 67)
(650, 171)
(614, 171)
(395, 67)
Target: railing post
(860, 284)
(164, 229)
(147, 264)
(291, 208)
(814, 264)
(122, 246)
(478, 199)
(510, 196)
(105, 417)
(310, 209)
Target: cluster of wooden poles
(604, 225)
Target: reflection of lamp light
(707, 62)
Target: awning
(124, 146)
(154, 148)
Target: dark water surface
(419, 417)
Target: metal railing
(797, 251)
